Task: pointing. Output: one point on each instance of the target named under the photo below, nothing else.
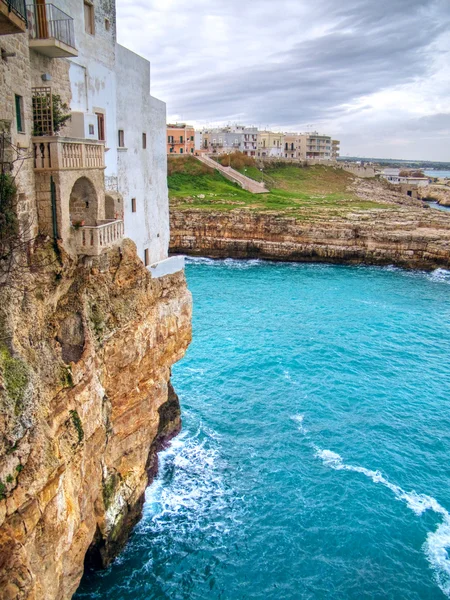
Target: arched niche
(83, 203)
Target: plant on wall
(50, 114)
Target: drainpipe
(54, 217)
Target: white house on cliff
(103, 176)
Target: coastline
(404, 237)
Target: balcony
(92, 240)
(13, 16)
(51, 31)
(54, 153)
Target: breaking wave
(437, 543)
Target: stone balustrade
(92, 240)
(58, 153)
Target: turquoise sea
(437, 173)
(314, 459)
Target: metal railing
(18, 7)
(47, 21)
(111, 183)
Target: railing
(47, 21)
(111, 183)
(92, 240)
(18, 7)
(56, 153)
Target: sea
(437, 173)
(314, 457)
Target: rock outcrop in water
(439, 193)
(85, 361)
(405, 233)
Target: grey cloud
(294, 61)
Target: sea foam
(437, 542)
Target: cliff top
(300, 192)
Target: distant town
(183, 139)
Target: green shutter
(19, 113)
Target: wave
(230, 263)
(189, 487)
(199, 260)
(439, 275)
(299, 420)
(437, 542)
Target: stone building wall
(15, 78)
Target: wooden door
(41, 19)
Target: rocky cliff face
(85, 358)
(404, 233)
(440, 193)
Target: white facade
(111, 84)
(198, 140)
(142, 172)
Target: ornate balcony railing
(92, 240)
(58, 153)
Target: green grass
(294, 191)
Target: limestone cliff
(85, 360)
(404, 233)
(440, 193)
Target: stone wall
(15, 78)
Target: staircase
(232, 175)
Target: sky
(374, 74)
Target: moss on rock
(16, 377)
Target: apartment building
(233, 138)
(270, 144)
(104, 175)
(180, 139)
(291, 146)
(335, 149)
(316, 147)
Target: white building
(111, 101)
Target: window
(181, 150)
(146, 261)
(19, 114)
(181, 139)
(133, 204)
(192, 150)
(171, 150)
(107, 24)
(192, 138)
(144, 141)
(91, 129)
(101, 126)
(89, 17)
(121, 139)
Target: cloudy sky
(373, 73)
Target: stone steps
(232, 175)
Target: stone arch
(113, 205)
(83, 202)
(110, 208)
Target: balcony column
(55, 151)
(83, 156)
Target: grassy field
(294, 191)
